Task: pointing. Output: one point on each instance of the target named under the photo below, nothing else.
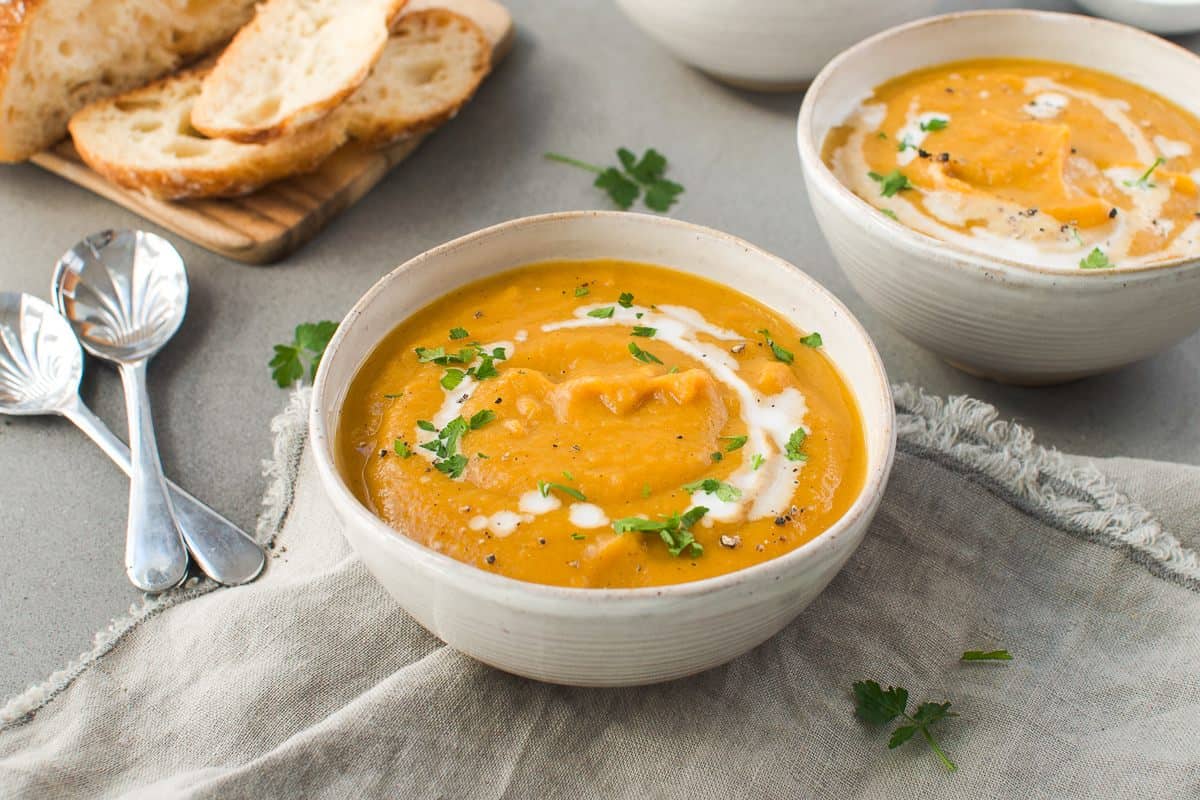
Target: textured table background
(581, 82)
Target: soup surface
(1039, 162)
(602, 424)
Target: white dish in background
(993, 317)
(601, 637)
(1159, 16)
(771, 45)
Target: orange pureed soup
(602, 424)
(1043, 163)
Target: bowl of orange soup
(1015, 190)
(600, 448)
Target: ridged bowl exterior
(601, 637)
(989, 316)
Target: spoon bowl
(124, 293)
(40, 360)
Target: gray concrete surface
(583, 82)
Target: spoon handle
(223, 551)
(155, 558)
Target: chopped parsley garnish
(445, 446)
(578, 536)
(904, 145)
(723, 491)
(781, 354)
(426, 425)
(1095, 260)
(458, 333)
(890, 213)
(935, 124)
(986, 655)
(625, 183)
(1143, 181)
(452, 378)
(675, 530)
(481, 418)
(402, 449)
(463, 357)
(645, 490)
(643, 331)
(895, 181)
(582, 291)
(878, 706)
(757, 460)
(794, 443)
(625, 300)
(568, 475)
(545, 487)
(735, 442)
(882, 135)
(716, 455)
(812, 340)
(309, 341)
(644, 356)
(601, 313)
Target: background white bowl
(765, 44)
(992, 317)
(601, 637)
(1160, 16)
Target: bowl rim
(816, 169)
(320, 438)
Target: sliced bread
(56, 56)
(292, 65)
(144, 140)
(432, 64)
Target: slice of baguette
(432, 65)
(291, 66)
(144, 140)
(56, 56)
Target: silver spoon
(124, 294)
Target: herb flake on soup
(655, 429)
(1039, 162)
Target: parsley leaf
(895, 181)
(643, 331)
(309, 341)
(675, 530)
(582, 291)
(735, 442)
(723, 491)
(794, 443)
(1143, 181)
(935, 124)
(1095, 260)
(986, 655)
(625, 300)
(644, 356)
(756, 461)
(459, 333)
(812, 340)
(601, 313)
(545, 487)
(402, 449)
(452, 378)
(878, 706)
(781, 354)
(625, 183)
(481, 418)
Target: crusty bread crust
(14, 21)
(209, 115)
(392, 104)
(105, 135)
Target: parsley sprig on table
(675, 530)
(309, 341)
(878, 706)
(625, 183)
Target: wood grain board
(265, 226)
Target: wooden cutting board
(267, 225)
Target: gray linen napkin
(311, 682)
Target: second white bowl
(993, 317)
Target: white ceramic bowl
(601, 637)
(765, 44)
(1160, 16)
(989, 316)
